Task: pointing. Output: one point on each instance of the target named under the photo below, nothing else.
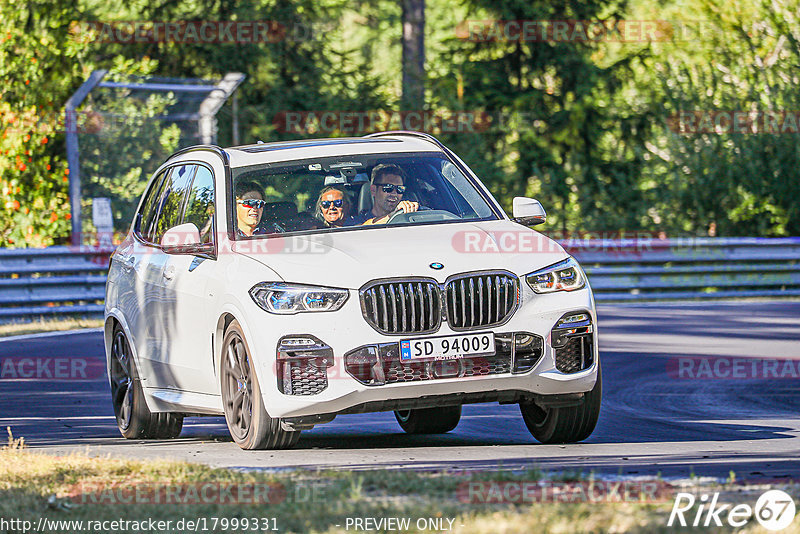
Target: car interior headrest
(278, 211)
(365, 198)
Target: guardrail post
(73, 155)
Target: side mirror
(528, 212)
(181, 239)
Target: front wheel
(248, 422)
(564, 425)
(134, 419)
(429, 420)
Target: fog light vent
(573, 342)
(303, 362)
(528, 350)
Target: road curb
(40, 335)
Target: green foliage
(592, 137)
(555, 137)
(742, 56)
(118, 156)
(43, 59)
(34, 209)
(588, 128)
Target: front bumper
(478, 380)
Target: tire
(134, 419)
(564, 425)
(248, 422)
(429, 420)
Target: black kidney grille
(481, 300)
(401, 307)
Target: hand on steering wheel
(405, 206)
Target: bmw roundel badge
(436, 265)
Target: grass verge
(48, 325)
(97, 491)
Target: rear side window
(172, 199)
(200, 204)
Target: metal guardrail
(71, 280)
(693, 268)
(50, 281)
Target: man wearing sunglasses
(249, 209)
(387, 189)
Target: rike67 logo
(774, 510)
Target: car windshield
(352, 192)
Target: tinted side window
(200, 205)
(172, 199)
(149, 207)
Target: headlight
(287, 299)
(566, 275)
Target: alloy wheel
(121, 380)
(238, 387)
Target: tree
(413, 97)
(39, 62)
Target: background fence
(66, 280)
(51, 281)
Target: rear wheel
(248, 422)
(429, 420)
(564, 425)
(134, 419)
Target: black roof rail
(410, 133)
(213, 148)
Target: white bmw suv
(282, 284)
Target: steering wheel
(423, 214)
(395, 217)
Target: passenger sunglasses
(327, 203)
(388, 188)
(252, 203)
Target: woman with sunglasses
(333, 207)
(249, 209)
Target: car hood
(351, 258)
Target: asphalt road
(684, 394)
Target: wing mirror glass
(181, 239)
(528, 211)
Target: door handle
(169, 272)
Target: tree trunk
(413, 97)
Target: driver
(387, 189)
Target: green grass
(79, 487)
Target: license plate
(447, 347)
